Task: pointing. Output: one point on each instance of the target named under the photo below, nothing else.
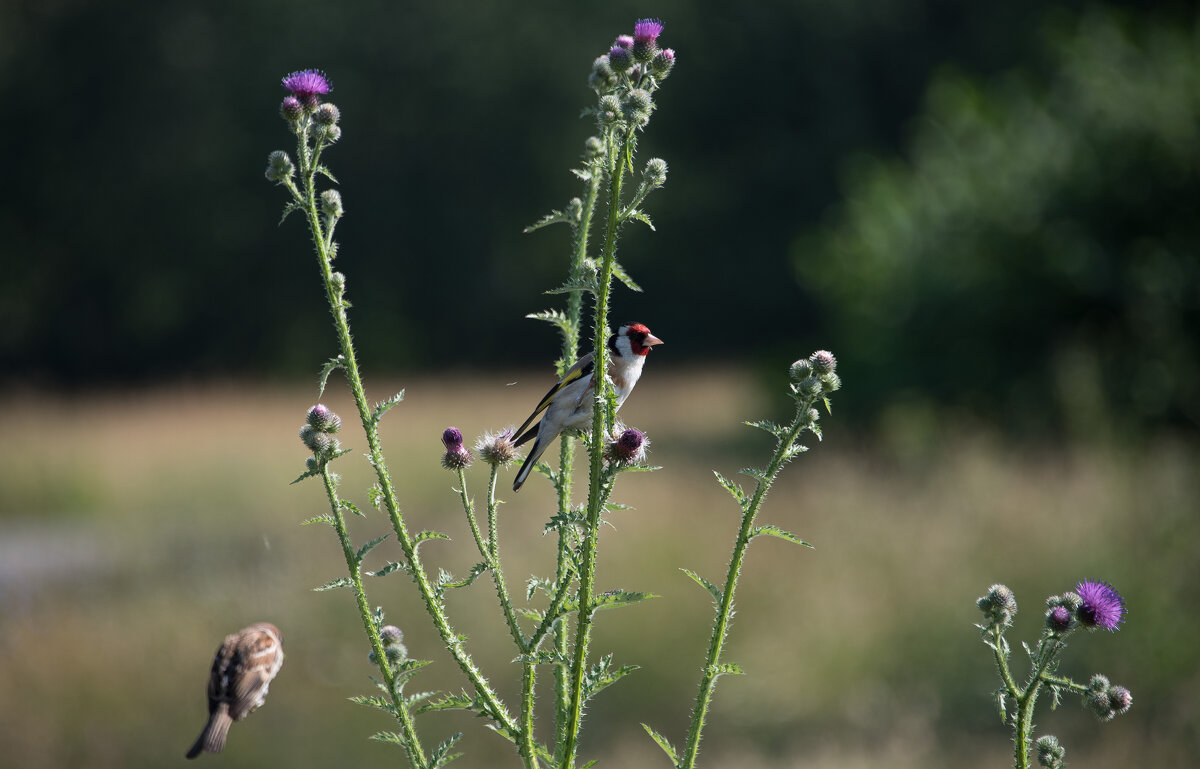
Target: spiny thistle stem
(708, 680)
(322, 242)
(617, 164)
(412, 742)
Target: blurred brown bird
(242, 671)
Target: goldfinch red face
(635, 338)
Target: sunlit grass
(137, 528)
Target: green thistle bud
(1049, 753)
(331, 203)
(318, 442)
(1120, 699)
(339, 281)
(291, 109)
(823, 362)
(999, 605)
(610, 109)
(662, 63)
(575, 209)
(593, 147)
(279, 166)
(619, 59)
(327, 114)
(637, 105)
(800, 370)
(830, 383)
(1098, 683)
(312, 464)
(811, 386)
(656, 172)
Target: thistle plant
(552, 629)
(1091, 606)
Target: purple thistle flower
(457, 457)
(619, 59)
(308, 85)
(629, 447)
(647, 30)
(452, 438)
(1102, 605)
(1059, 619)
(625, 41)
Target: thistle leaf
(333, 584)
(641, 217)
(425, 536)
(375, 702)
(384, 407)
(326, 518)
(553, 317)
(769, 426)
(330, 366)
(350, 507)
(602, 675)
(323, 171)
(386, 570)
(305, 474)
(663, 743)
(620, 274)
(733, 488)
(288, 210)
(571, 287)
(614, 598)
(554, 217)
(754, 473)
(725, 669)
(441, 754)
(775, 531)
(712, 589)
(462, 701)
(391, 737)
(368, 547)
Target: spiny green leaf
(446, 579)
(590, 764)
(375, 702)
(754, 473)
(536, 583)
(349, 506)
(1000, 704)
(775, 531)
(576, 285)
(769, 426)
(369, 546)
(386, 570)
(663, 743)
(428, 535)
(330, 366)
(582, 174)
(620, 274)
(614, 598)
(323, 171)
(553, 317)
(392, 737)
(375, 495)
(288, 210)
(733, 488)
(306, 474)
(334, 584)
(639, 468)
(828, 407)
(793, 451)
(602, 675)
(641, 217)
(542, 658)
(462, 701)
(441, 755)
(712, 589)
(326, 518)
(417, 698)
(384, 407)
(561, 520)
(554, 217)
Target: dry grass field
(138, 527)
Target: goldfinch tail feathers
(535, 453)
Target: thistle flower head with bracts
(645, 39)
(457, 456)
(1101, 606)
(628, 448)
(308, 85)
(498, 449)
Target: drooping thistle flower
(1101, 605)
(457, 456)
(308, 85)
(629, 447)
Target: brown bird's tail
(212, 739)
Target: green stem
(566, 457)
(527, 745)
(494, 708)
(492, 555)
(412, 742)
(708, 679)
(596, 450)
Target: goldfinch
(568, 405)
(241, 673)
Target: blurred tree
(1034, 258)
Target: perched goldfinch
(569, 402)
(241, 673)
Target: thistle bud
(800, 370)
(339, 281)
(637, 105)
(830, 382)
(656, 172)
(619, 59)
(999, 605)
(662, 63)
(575, 209)
(279, 166)
(497, 449)
(290, 109)
(331, 203)
(457, 456)
(823, 362)
(1049, 753)
(327, 114)
(625, 41)
(392, 640)
(610, 108)
(1120, 699)
(1059, 619)
(322, 418)
(318, 442)
(593, 147)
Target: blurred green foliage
(1034, 255)
(140, 238)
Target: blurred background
(986, 211)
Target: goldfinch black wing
(582, 368)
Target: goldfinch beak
(651, 340)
